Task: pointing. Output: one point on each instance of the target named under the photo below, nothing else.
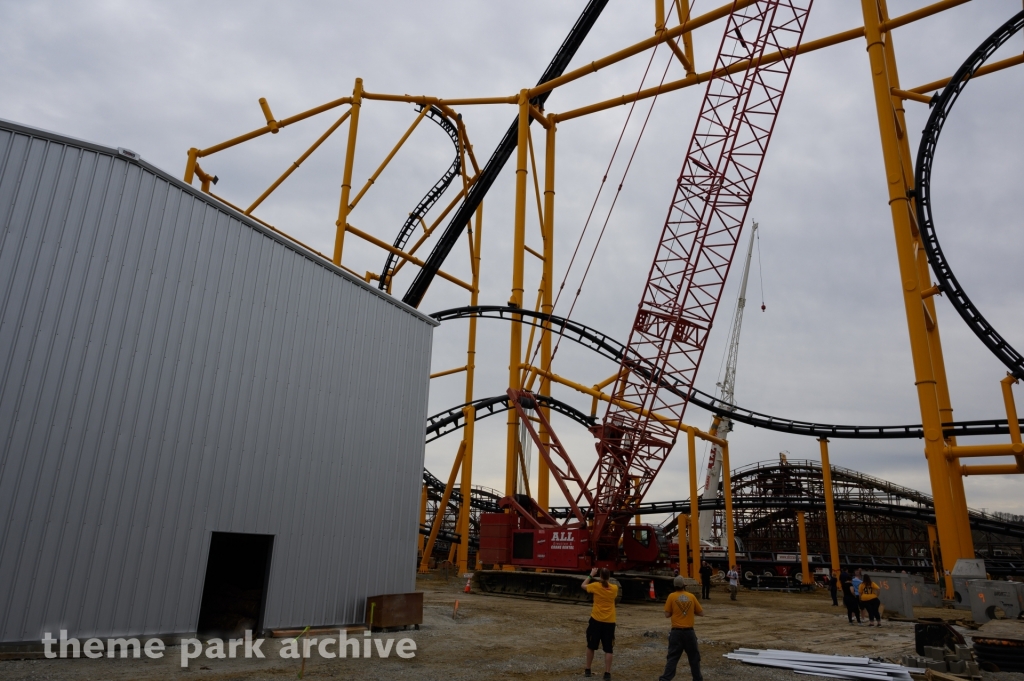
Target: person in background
(833, 588)
(734, 581)
(681, 606)
(601, 628)
(850, 599)
(705, 580)
(868, 595)
(858, 577)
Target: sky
(831, 345)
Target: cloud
(832, 344)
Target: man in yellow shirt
(601, 629)
(681, 606)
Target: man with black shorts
(601, 628)
(681, 606)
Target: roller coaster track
(611, 349)
(428, 201)
(497, 161)
(947, 281)
(445, 422)
(910, 505)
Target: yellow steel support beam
(448, 372)
(469, 433)
(924, 370)
(682, 522)
(547, 304)
(346, 180)
(997, 469)
(970, 451)
(264, 130)
(956, 487)
(809, 46)
(683, 8)
(516, 300)
(830, 508)
(295, 165)
(982, 71)
(691, 451)
(427, 101)
(387, 159)
(439, 516)
(639, 47)
(403, 255)
(627, 405)
(805, 566)
(727, 491)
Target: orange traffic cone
(468, 580)
(651, 594)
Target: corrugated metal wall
(168, 370)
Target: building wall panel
(169, 369)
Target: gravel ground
(510, 638)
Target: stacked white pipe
(831, 666)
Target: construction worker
(601, 628)
(869, 600)
(681, 606)
(705, 580)
(734, 581)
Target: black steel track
(608, 347)
(428, 201)
(947, 281)
(490, 171)
(445, 422)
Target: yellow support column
(805, 567)
(516, 300)
(439, 516)
(547, 302)
(682, 521)
(466, 489)
(691, 447)
(830, 507)
(469, 434)
(956, 482)
(730, 539)
(346, 178)
(924, 374)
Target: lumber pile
(831, 666)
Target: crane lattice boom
(693, 256)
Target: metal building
(171, 370)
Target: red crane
(673, 319)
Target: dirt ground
(511, 638)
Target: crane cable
(618, 191)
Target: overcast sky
(831, 345)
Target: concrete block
(965, 570)
(923, 594)
(986, 595)
(935, 653)
(964, 652)
(936, 665)
(894, 592)
(958, 667)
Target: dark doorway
(235, 589)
